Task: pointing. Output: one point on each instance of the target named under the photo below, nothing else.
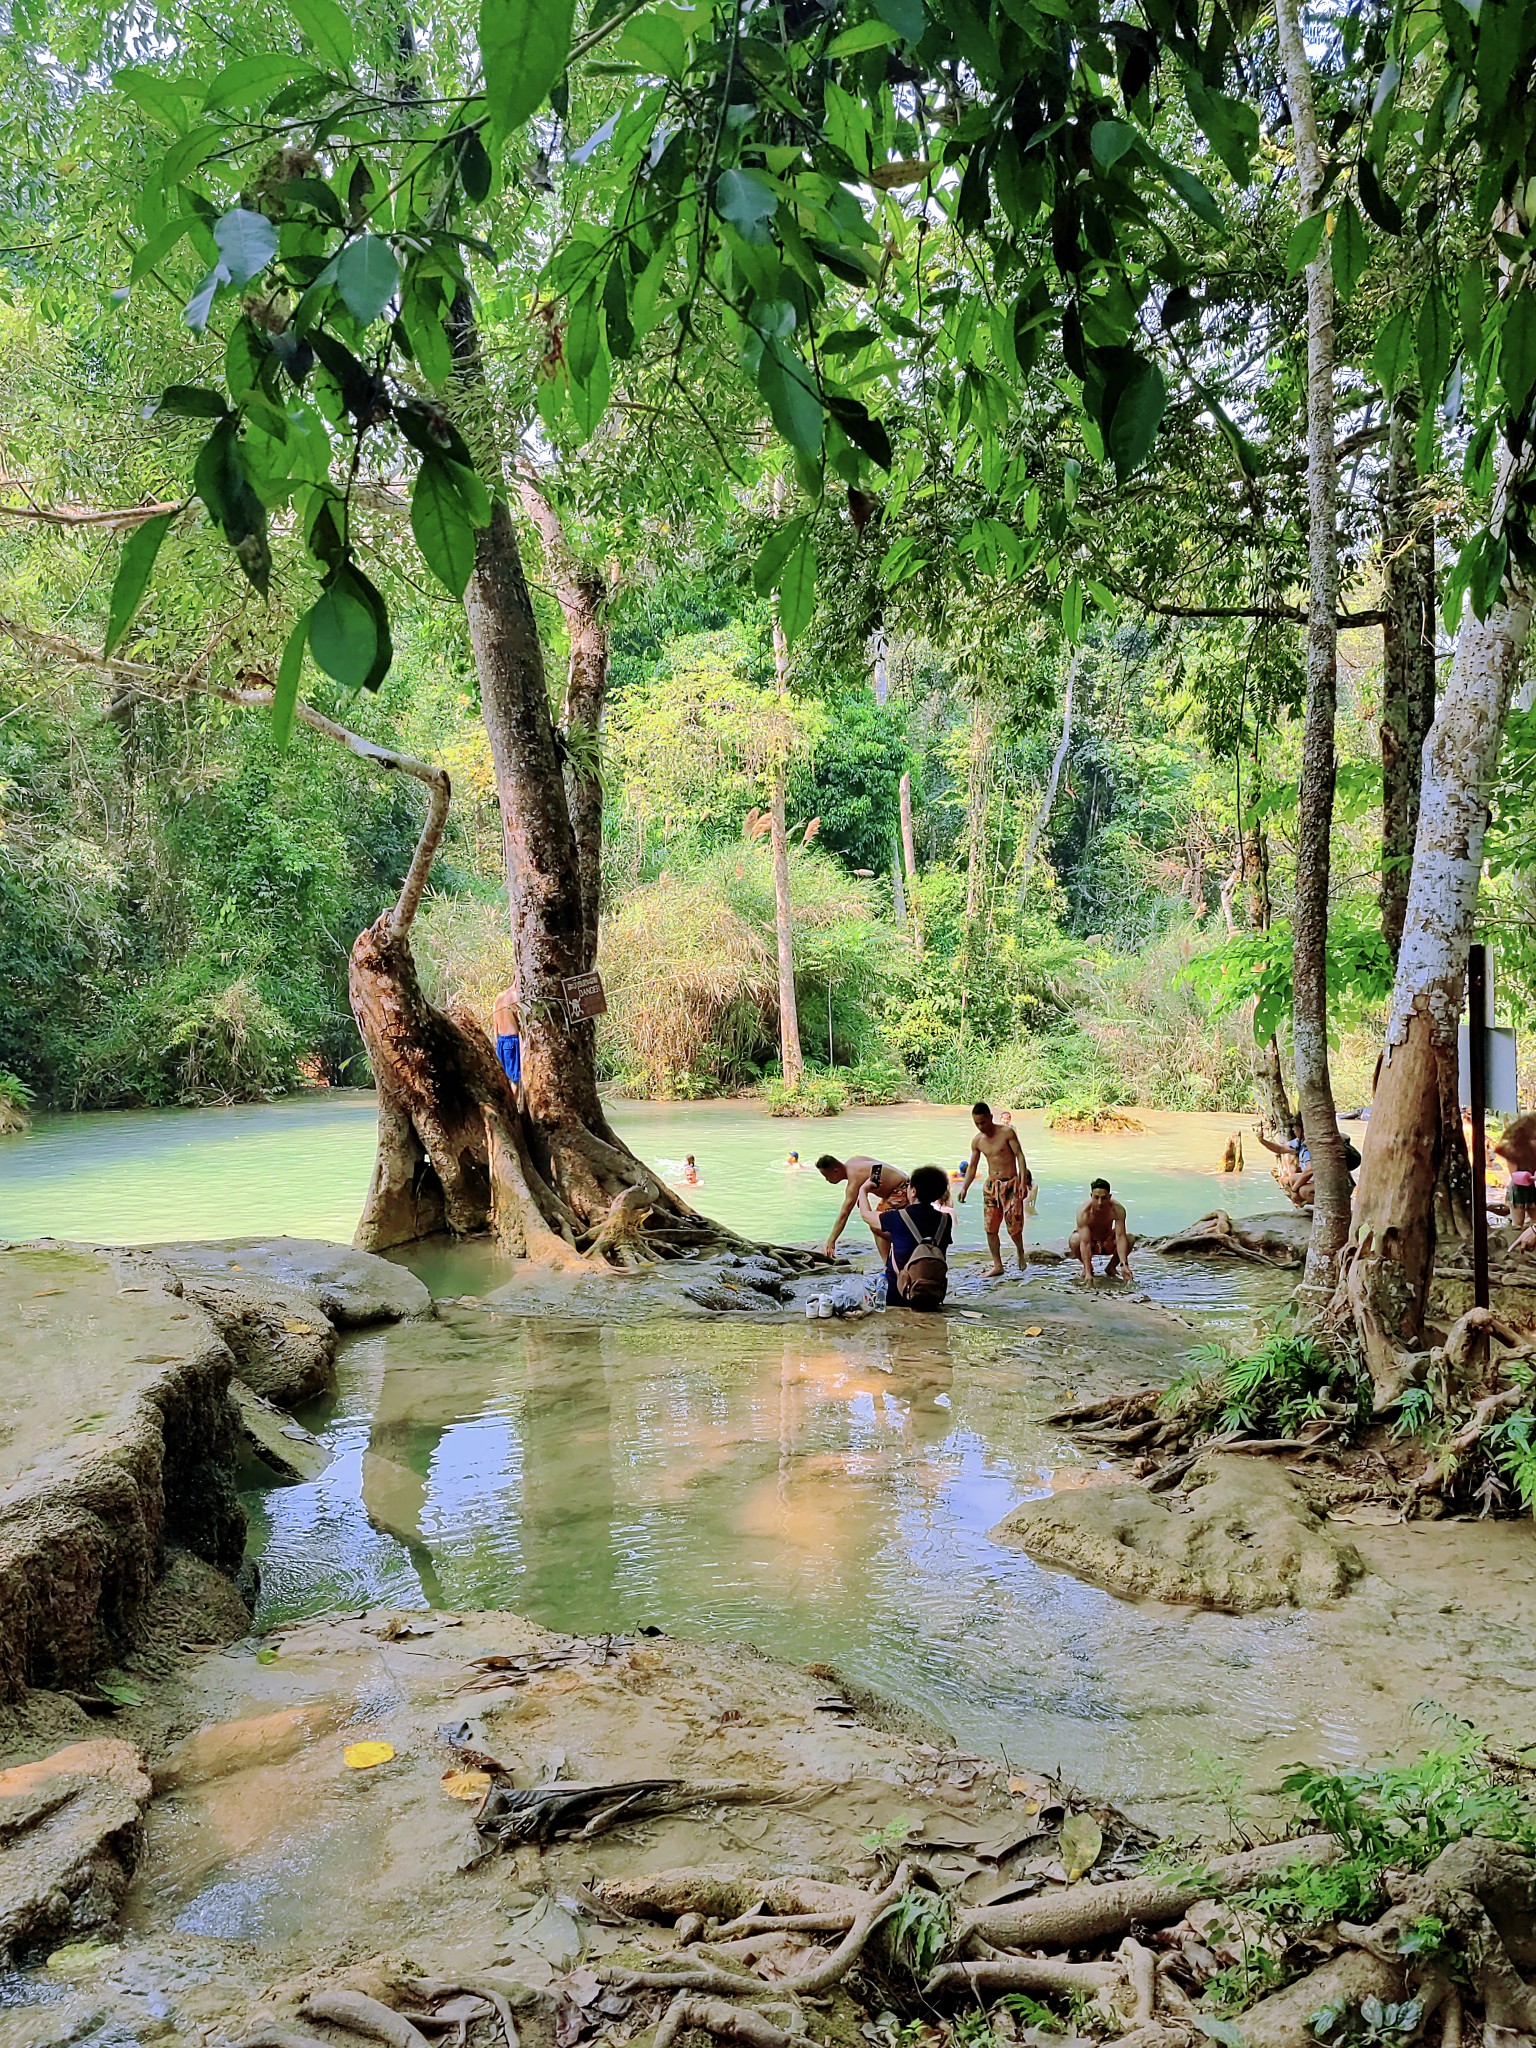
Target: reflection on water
(823, 1491)
(301, 1166)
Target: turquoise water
(301, 1167)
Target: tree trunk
(582, 591)
(880, 682)
(791, 1058)
(1314, 1084)
(909, 859)
(1408, 663)
(1391, 1251)
(976, 782)
(1052, 782)
(1269, 1068)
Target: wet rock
(71, 1827)
(724, 1299)
(275, 1440)
(283, 1344)
(352, 1288)
(1237, 1537)
(115, 1441)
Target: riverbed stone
(283, 1343)
(1238, 1537)
(115, 1441)
(351, 1288)
(275, 1440)
(71, 1829)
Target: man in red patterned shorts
(1008, 1184)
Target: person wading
(883, 1183)
(1008, 1184)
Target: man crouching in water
(1008, 1185)
(1101, 1233)
(881, 1186)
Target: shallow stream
(594, 1458)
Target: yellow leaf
(363, 1756)
(297, 1329)
(466, 1784)
(1081, 1840)
(1033, 1330)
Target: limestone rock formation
(1237, 1536)
(71, 1827)
(351, 1288)
(277, 1442)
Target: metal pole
(1477, 1061)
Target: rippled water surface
(604, 1457)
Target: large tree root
(1090, 1912)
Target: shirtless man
(1517, 1148)
(867, 1185)
(1101, 1233)
(509, 1041)
(1008, 1184)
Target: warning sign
(584, 995)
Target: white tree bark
(1053, 781)
(1314, 1084)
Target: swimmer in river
(1008, 1185)
(794, 1163)
(1101, 1233)
(690, 1172)
(884, 1186)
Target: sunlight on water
(301, 1167)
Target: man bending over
(1101, 1233)
(868, 1184)
(1008, 1184)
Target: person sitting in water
(1294, 1167)
(1008, 1185)
(917, 1265)
(1101, 1233)
(509, 1037)
(690, 1172)
(794, 1163)
(884, 1183)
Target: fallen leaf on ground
(1081, 1840)
(366, 1756)
(469, 1785)
(1033, 1330)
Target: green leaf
(1517, 349)
(1351, 248)
(475, 173)
(797, 588)
(1195, 195)
(1377, 201)
(191, 402)
(791, 398)
(367, 276)
(583, 335)
(1081, 1840)
(1110, 140)
(343, 633)
(285, 692)
(864, 35)
(1132, 427)
(158, 247)
(442, 526)
(200, 305)
(1303, 243)
(219, 478)
(326, 29)
(656, 40)
(135, 566)
(905, 16)
(247, 242)
(119, 1693)
(523, 48)
(1436, 340)
(1228, 125)
(1393, 358)
(250, 81)
(775, 552)
(747, 201)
